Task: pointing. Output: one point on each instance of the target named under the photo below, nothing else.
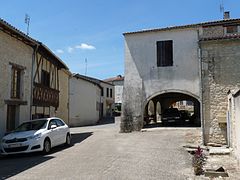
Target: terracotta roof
(117, 78)
(9, 29)
(230, 36)
(204, 24)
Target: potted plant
(198, 161)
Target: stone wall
(220, 73)
(13, 51)
(212, 31)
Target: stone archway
(189, 108)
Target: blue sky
(92, 29)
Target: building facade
(15, 91)
(118, 83)
(30, 78)
(197, 63)
(84, 101)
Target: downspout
(32, 74)
(201, 89)
(69, 76)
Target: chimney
(226, 15)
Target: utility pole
(27, 21)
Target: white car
(36, 135)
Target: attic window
(232, 29)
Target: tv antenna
(85, 66)
(27, 21)
(221, 7)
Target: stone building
(196, 62)
(29, 79)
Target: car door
(53, 133)
(62, 131)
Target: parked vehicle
(171, 115)
(36, 135)
(185, 115)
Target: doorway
(11, 117)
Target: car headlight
(3, 140)
(36, 136)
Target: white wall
(118, 93)
(14, 51)
(183, 75)
(83, 100)
(143, 79)
(107, 101)
(234, 115)
(237, 127)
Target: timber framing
(44, 94)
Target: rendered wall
(143, 79)
(14, 51)
(83, 99)
(63, 109)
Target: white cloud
(85, 46)
(59, 51)
(70, 49)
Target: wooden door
(11, 117)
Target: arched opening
(172, 109)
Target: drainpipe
(32, 74)
(201, 89)
(69, 76)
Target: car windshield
(171, 111)
(32, 125)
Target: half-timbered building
(29, 79)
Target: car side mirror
(53, 126)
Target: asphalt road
(101, 152)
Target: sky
(88, 34)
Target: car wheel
(46, 146)
(68, 140)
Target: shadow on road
(179, 125)
(79, 137)
(15, 164)
(107, 120)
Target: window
(45, 78)
(164, 53)
(111, 93)
(107, 92)
(52, 122)
(102, 92)
(59, 122)
(16, 80)
(232, 29)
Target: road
(101, 152)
